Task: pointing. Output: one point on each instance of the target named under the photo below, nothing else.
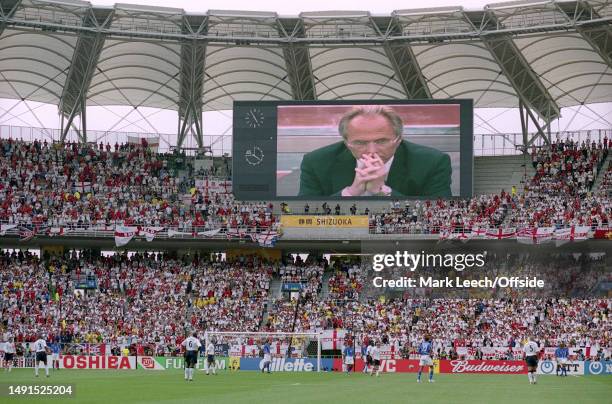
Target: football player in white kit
(41, 350)
(375, 354)
(531, 350)
(210, 357)
(192, 346)
(9, 354)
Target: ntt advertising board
(577, 368)
(603, 368)
(548, 367)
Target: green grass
(140, 386)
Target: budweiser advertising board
(483, 367)
(445, 366)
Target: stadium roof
(544, 55)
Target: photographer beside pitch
(373, 160)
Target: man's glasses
(360, 144)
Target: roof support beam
(84, 61)
(263, 38)
(528, 86)
(525, 112)
(404, 62)
(193, 58)
(598, 35)
(7, 10)
(297, 61)
(524, 127)
(600, 38)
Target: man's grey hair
(369, 110)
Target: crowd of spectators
(346, 283)
(307, 276)
(473, 318)
(566, 168)
(154, 299)
(229, 297)
(606, 182)
(147, 299)
(98, 186)
(89, 186)
(471, 323)
(301, 283)
(429, 217)
(559, 194)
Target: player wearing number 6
(192, 346)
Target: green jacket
(416, 171)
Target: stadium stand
(70, 207)
(103, 192)
(151, 299)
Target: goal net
(289, 351)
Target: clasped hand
(370, 175)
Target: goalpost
(287, 345)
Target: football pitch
(140, 386)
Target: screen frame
(268, 134)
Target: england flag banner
(6, 227)
(501, 233)
(536, 235)
(574, 233)
(124, 234)
(149, 233)
(332, 339)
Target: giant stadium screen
(365, 149)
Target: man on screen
(373, 160)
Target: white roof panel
(354, 72)
(140, 61)
(465, 70)
(568, 67)
(127, 70)
(244, 73)
(34, 65)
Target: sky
(31, 114)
